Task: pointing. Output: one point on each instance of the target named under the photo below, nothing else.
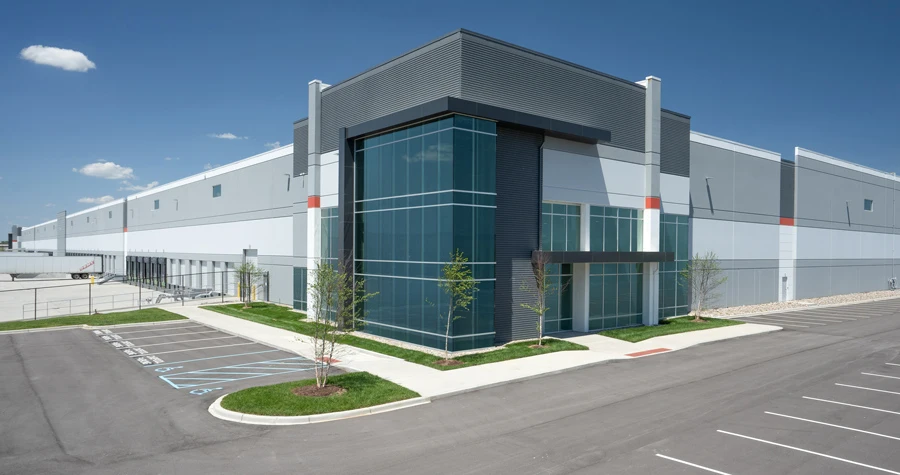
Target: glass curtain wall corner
(421, 193)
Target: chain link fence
(120, 293)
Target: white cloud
(128, 186)
(96, 201)
(228, 136)
(108, 170)
(273, 145)
(169, 159)
(67, 59)
(210, 166)
(49, 205)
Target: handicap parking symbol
(199, 392)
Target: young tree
(540, 289)
(459, 286)
(249, 275)
(336, 303)
(703, 276)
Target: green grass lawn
(284, 318)
(363, 390)
(135, 316)
(667, 327)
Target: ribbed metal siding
(504, 77)
(408, 82)
(301, 154)
(788, 172)
(675, 145)
(517, 230)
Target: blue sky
(821, 75)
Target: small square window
(110, 215)
(88, 219)
(868, 205)
(217, 191)
(155, 204)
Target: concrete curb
(85, 326)
(803, 309)
(590, 365)
(219, 412)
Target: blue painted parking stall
(198, 359)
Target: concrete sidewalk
(430, 382)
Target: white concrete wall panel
(819, 243)
(112, 242)
(575, 178)
(675, 194)
(270, 236)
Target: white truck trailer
(21, 264)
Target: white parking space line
(845, 315)
(155, 324)
(832, 457)
(881, 375)
(212, 358)
(190, 341)
(193, 349)
(851, 405)
(779, 322)
(867, 389)
(171, 334)
(833, 425)
(814, 318)
(159, 329)
(892, 364)
(701, 467)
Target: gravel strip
(795, 304)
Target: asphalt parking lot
(193, 357)
(847, 425)
(822, 317)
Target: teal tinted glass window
(423, 192)
(616, 296)
(616, 229)
(217, 191)
(673, 290)
(561, 227)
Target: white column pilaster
(314, 188)
(650, 235)
(581, 281)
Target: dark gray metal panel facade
(787, 189)
(301, 152)
(517, 230)
(675, 144)
(505, 76)
(426, 74)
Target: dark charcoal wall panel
(301, 154)
(787, 189)
(675, 145)
(502, 76)
(517, 229)
(427, 74)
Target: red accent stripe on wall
(314, 202)
(787, 221)
(124, 230)
(651, 202)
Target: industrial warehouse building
(508, 155)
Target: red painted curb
(648, 352)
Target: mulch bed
(315, 391)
